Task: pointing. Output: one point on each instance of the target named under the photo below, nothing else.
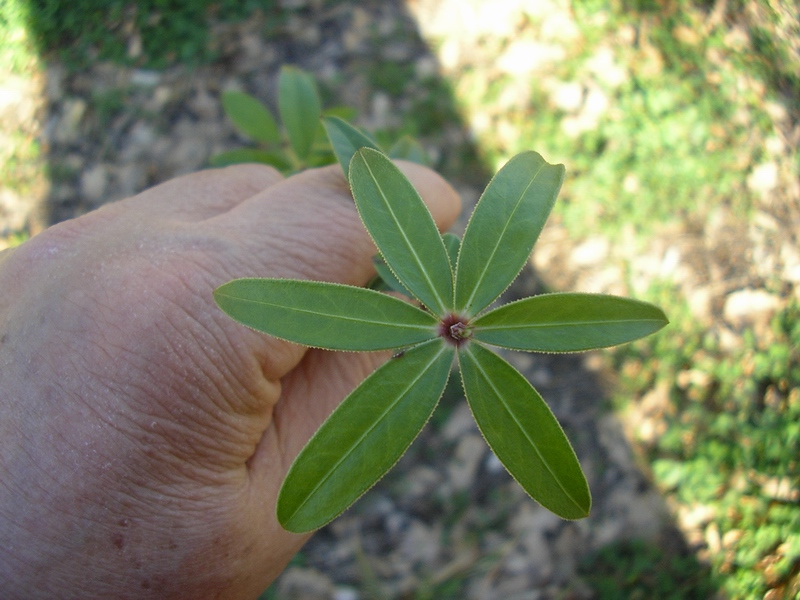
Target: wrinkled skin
(143, 434)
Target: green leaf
(348, 113)
(250, 155)
(503, 228)
(568, 322)
(250, 117)
(346, 140)
(299, 106)
(452, 243)
(523, 433)
(364, 437)
(386, 275)
(325, 315)
(407, 148)
(402, 228)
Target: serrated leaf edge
(375, 373)
(477, 325)
(332, 284)
(443, 307)
(489, 444)
(474, 312)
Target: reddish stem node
(455, 329)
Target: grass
(21, 165)
(731, 442)
(638, 570)
(672, 138)
(17, 52)
(81, 31)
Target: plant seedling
(296, 141)
(455, 285)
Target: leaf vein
(408, 243)
(521, 428)
(366, 433)
(507, 224)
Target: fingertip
(441, 198)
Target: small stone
(567, 550)
(345, 593)
(14, 210)
(604, 67)
(731, 537)
(204, 105)
(532, 519)
(67, 129)
(161, 96)
(695, 516)
(356, 34)
(700, 303)
(713, 539)
(382, 115)
(459, 423)
(426, 67)
(750, 307)
(781, 489)
(422, 543)
(764, 178)
(464, 465)
(567, 96)
(538, 556)
(590, 252)
(420, 482)
(94, 183)
(145, 78)
(304, 584)
(523, 57)
(560, 27)
(132, 179)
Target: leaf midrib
(507, 224)
(408, 243)
(522, 429)
(566, 324)
(331, 315)
(357, 442)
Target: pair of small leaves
(299, 108)
(377, 422)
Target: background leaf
(523, 433)
(568, 322)
(402, 228)
(299, 106)
(250, 117)
(503, 228)
(407, 148)
(325, 315)
(346, 140)
(364, 437)
(388, 278)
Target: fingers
(442, 200)
(307, 226)
(207, 193)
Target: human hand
(143, 434)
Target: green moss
(638, 570)
(79, 31)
